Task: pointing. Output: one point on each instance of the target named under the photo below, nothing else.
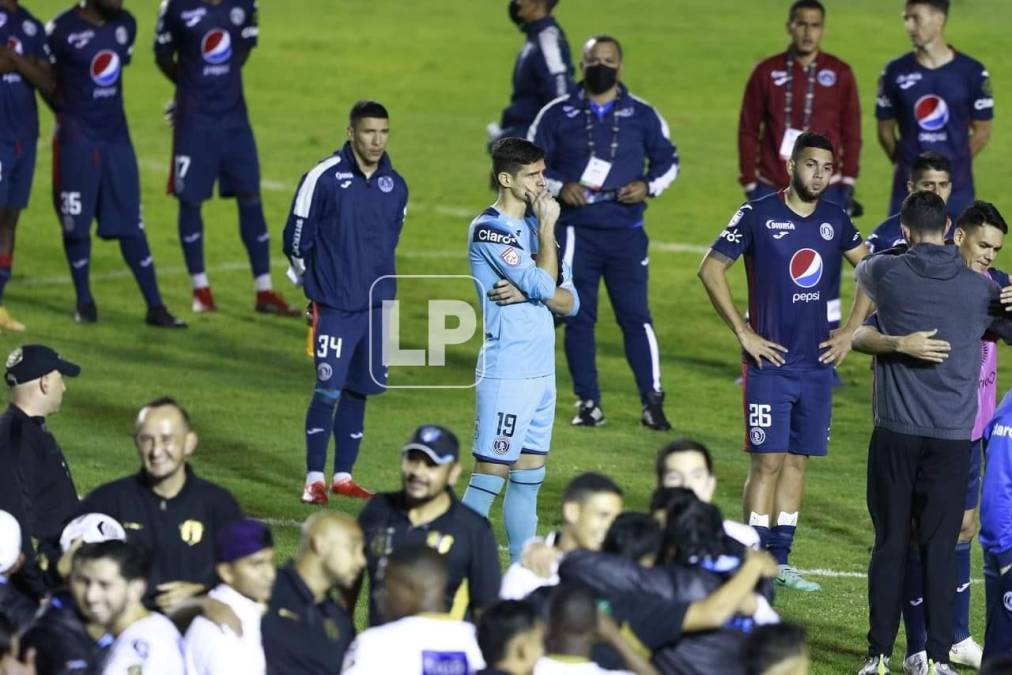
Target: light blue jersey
(519, 338)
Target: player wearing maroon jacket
(800, 89)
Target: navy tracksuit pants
(998, 589)
(619, 256)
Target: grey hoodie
(930, 287)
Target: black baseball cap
(30, 362)
(439, 443)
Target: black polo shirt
(299, 635)
(464, 537)
(36, 488)
(178, 533)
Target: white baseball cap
(10, 542)
(91, 528)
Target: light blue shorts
(513, 417)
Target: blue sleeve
(872, 242)
(661, 155)
(542, 134)
(736, 238)
(303, 218)
(504, 256)
(53, 41)
(996, 494)
(567, 283)
(885, 102)
(250, 27)
(165, 29)
(131, 25)
(555, 70)
(849, 236)
(37, 47)
(982, 94)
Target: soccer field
(443, 70)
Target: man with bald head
(167, 508)
(305, 629)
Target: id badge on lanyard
(790, 132)
(596, 173)
(787, 144)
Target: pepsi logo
(806, 267)
(932, 112)
(105, 68)
(216, 46)
(14, 45)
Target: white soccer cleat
(875, 665)
(916, 664)
(967, 653)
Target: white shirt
(424, 644)
(519, 582)
(742, 533)
(151, 646)
(214, 650)
(566, 665)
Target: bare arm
(980, 134)
(887, 138)
(840, 341)
(561, 303)
(920, 345)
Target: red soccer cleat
(349, 488)
(271, 302)
(203, 301)
(315, 493)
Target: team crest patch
(501, 445)
(756, 436)
(15, 358)
(324, 372)
(386, 184)
(191, 532)
(827, 232)
(121, 35)
(826, 77)
(29, 28)
(1007, 600)
(237, 15)
(510, 256)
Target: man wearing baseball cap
(426, 511)
(36, 486)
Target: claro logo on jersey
(932, 113)
(105, 67)
(806, 272)
(216, 48)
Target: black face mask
(514, 12)
(599, 78)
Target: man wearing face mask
(543, 69)
(607, 151)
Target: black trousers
(914, 478)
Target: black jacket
(62, 644)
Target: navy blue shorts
(347, 354)
(787, 410)
(202, 156)
(97, 180)
(17, 166)
(973, 478)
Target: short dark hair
(604, 37)
(798, 5)
(367, 108)
(940, 5)
(572, 611)
(810, 139)
(587, 484)
(510, 154)
(131, 559)
(981, 213)
(663, 496)
(633, 535)
(163, 401)
(420, 562)
(929, 161)
(924, 212)
(772, 644)
(499, 624)
(682, 445)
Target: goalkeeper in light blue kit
(521, 284)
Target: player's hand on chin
(546, 209)
(760, 348)
(837, 347)
(505, 293)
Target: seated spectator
(776, 649)
(511, 638)
(590, 503)
(425, 511)
(108, 582)
(686, 463)
(419, 636)
(15, 606)
(245, 552)
(62, 638)
(167, 508)
(305, 631)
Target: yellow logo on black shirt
(192, 532)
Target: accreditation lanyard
(789, 94)
(591, 146)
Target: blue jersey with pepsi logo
(519, 338)
(934, 108)
(790, 263)
(22, 33)
(211, 43)
(88, 61)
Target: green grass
(443, 70)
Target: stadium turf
(443, 69)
